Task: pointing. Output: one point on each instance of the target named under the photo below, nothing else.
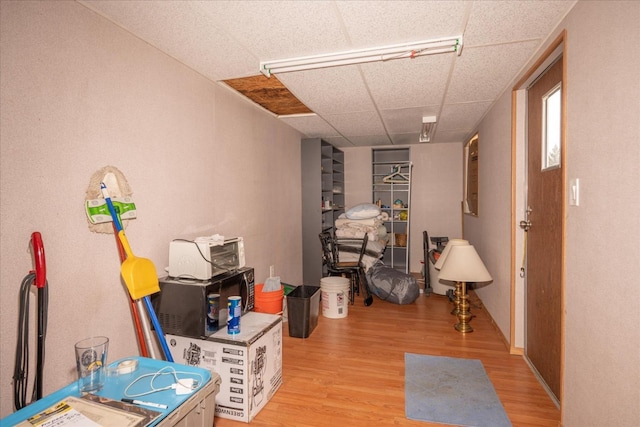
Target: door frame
(518, 193)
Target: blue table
(116, 384)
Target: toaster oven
(202, 259)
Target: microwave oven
(204, 259)
(182, 305)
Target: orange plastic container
(268, 302)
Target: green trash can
(303, 308)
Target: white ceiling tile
(483, 73)
(356, 124)
(407, 119)
(312, 126)
(280, 29)
(330, 90)
(517, 20)
(369, 140)
(406, 138)
(415, 82)
(462, 116)
(223, 39)
(379, 23)
(182, 32)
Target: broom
(139, 275)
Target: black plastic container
(303, 307)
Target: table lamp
(463, 264)
(438, 265)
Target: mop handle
(158, 328)
(147, 301)
(112, 209)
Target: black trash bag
(392, 285)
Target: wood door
(544, 240)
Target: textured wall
(79, 93)
(489, 232)
(602, 347)
(602, 354)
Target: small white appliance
(203, 259)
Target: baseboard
(476, 303)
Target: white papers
(75, 412)
(61, 414)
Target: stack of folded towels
(365, 218)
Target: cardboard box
(249, 363)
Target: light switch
(574, 192)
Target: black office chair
(332, 247)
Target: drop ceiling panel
(280, 29)
(393, 22)
(369, 140)
(482, 74)
(356, 124)
(406, 83)
(183, 32)
(311, 126)
(462, 116)
(405, 138)
(517, 20)
(408, 120)
(330, 90)
(228, 39)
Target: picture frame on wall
(471, 194)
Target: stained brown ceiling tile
(269, 93)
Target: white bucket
(335, 297)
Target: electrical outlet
(272, 271)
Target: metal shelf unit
(385, 163)
(323, 193)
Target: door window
(551, 113)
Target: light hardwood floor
(350, 371)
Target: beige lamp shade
(443, 256)
(463, 264)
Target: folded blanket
(373, 252)
(345, 222)
(367, 260)
(375, 234)
(356, 234)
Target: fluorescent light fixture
(386, 53)
(428, 127)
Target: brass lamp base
(464, 315)
(457, 293)
(463, 327)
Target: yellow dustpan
(139, 274)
